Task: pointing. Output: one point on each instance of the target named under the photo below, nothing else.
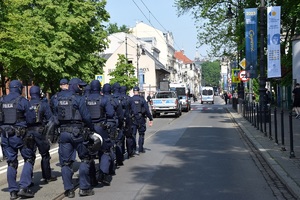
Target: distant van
(207, 95)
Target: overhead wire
(156, 30)
(156, 20)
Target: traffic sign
(242, 76)
(243, 63)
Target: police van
(207, 95)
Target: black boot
(88, 192)
(25, 193)
(70, 193)
(13, 195)
(105, 179)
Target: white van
(207, 95)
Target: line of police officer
(92, 124)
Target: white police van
(207, 95)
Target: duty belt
(71, 129)
(38, 129)
(102, 124)
(11, 131)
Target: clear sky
(162, 16)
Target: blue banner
(251, 42)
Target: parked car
(185, 102)
(166, 102)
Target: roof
(180, 56)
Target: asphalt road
(200, 155)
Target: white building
(143, 55)
(153, 53)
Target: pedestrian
(73, 116)
(268, 96)
(225, 97)
(296, 103)
(17, 115)
(43, 115)
(139, 125)
(149, 98)
(101, 109)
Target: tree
(124, 73)
(113, 28)
(211, 73)
(52, 40)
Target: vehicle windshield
(207, 92)
(165, 95)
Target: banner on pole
(274, 60)
(251, 42)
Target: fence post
(292, 153)
(275, 124)
(282, 131)
(270, 125)
(257, 116)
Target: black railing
(265, 120)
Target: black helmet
(96, 142)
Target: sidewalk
(287, 167)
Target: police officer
(139, 125)
(113, 122)
(63, 85)
(43, 115)
(73, 115)
(120, 138)
(101, 109)
(130, 112)
(17, 114)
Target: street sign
(243, 63)
(100, 78)
(235, 76)
(242, 76)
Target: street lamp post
(262, 78)
(230, 15)
(138, 55)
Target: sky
(161, 14)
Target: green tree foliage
(114, 28)
(124, 73)
(211, 73)
(47, 40)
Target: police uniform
(73, 115)
(42, 115)
(139, 125)
(130, 112)
(17, 114)
(113, 122)
(120, 138)
(101, 109)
